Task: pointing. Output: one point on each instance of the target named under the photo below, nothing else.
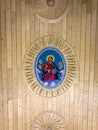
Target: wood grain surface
(19, 27)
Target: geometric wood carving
(30, 59)
(49, 121)
(50, 9)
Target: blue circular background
(41, 60)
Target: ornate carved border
(29, 60)
(49, 120)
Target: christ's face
(50, 59)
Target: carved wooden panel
(49, 121)
(20, 26)
(67, 74)
(50, 9)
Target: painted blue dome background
(50, 67)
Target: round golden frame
(49, 120)
(29, 60)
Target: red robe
(47, 69)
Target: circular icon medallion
(50, 66)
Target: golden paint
(53, 59)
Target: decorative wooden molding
(50, 10)
(49, 121)
(29, 63)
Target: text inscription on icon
(50, 68)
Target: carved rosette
(49, 121)
(50, 9)
(29, 62)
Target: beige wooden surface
(19, 27)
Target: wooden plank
(76, 97)
(62, 111)
(19, 63)
(9, 64)
(50, 29)
(27, 45)
(73, 44)
(27, 18)
(67, 110)
(45, 29)
(46, 104)
(53, 107)
(24, 87)
(37, 27)
(77, 51)
(82, 66)
(59, 28)
(8, 31)
(32, 23)
(4, 66)
(69, 23)
(1, 85)
(71, 108)
(23, 24)
(86, 76)
(92, 57)
(14, 66)
(4, 82)
(32, 109)
(28, 109)
(32, 38)
(87, 67)
(64, 27)
(9, 83)
(36, 105)
(58, 105)
(74, 23)
(95, 101)
(42, 28)
(41, 102)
